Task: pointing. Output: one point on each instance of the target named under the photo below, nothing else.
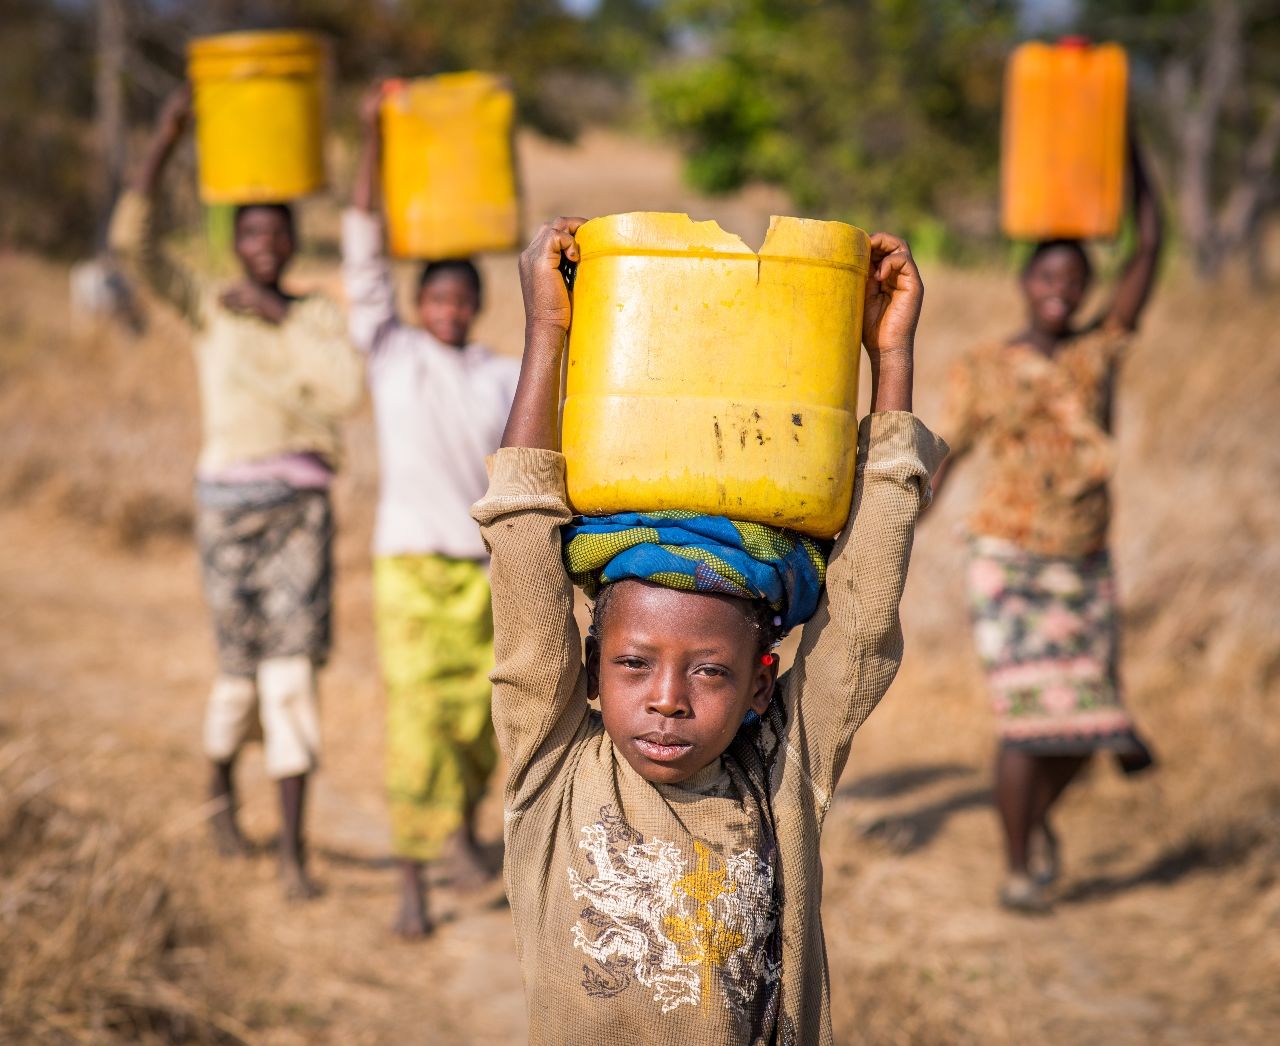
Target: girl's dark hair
(463, 267)
(1061, 243)
(282, 209)
(759, 614)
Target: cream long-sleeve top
(439, 410)
(652, 914)
(271, 395)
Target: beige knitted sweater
(650, 914)
(265, 389)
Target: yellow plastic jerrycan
(702, 375)
(448, 167)
(259, 104)
(1063, 150)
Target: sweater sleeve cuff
(899, 443)
(522, 479)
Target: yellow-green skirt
(435, 642)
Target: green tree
(1207, 79)
(881, 112)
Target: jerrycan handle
(569, 270)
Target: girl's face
(676, 672)
(447, 308)
(1055, 285)
(263, 244)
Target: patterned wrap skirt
(1046, 632)
(266, 559)
(435, 645)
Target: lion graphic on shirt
(693, 929)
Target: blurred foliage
(565, 69)
(880, 112)
(1207, 96)
(45, 180)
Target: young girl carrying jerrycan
(662, 853)
(276, 374)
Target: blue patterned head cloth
(698, 553)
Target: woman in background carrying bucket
(1041, 587)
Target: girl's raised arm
(534, 420)
(851, 649)
(539, 688)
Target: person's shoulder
(316, 300)
(316, 305)
(1103, 339)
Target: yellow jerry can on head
(259, 105)
(448, 166)
(703, 375)
(1063, 148)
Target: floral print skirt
(1046, 631)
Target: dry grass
(104, 939)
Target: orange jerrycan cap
(1075, 42)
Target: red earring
(766, 659)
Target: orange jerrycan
(259, 104)
(703, 375)
(1063, 149)
(448, 167)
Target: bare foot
(222, 822)
(1046, 856)
(412, 922)
(469, 869)
(226, 833)
(298, 886)
(1023, 895)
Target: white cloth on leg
(229, 718)
(290, 715)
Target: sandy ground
(1167, 927)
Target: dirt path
(110, 652)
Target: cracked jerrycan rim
(804, 241)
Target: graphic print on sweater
(676, 924)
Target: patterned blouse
(1046, 421)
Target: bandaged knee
(230, 717)
(290, 715)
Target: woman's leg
(1054, 774)
(293, 862)
(412, 920)
(1016, 788)
(1018, 782)
(289, 710)
(229, 720)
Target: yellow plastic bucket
(259, 104)
(703, 375)
(448, 168)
